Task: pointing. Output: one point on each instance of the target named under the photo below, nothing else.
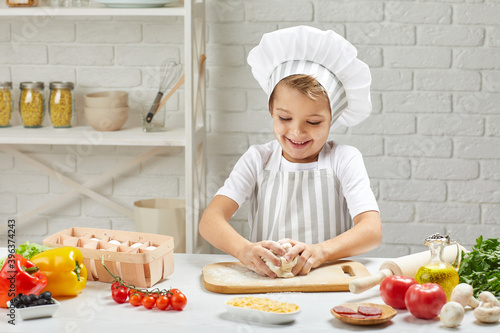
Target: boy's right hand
(253, 254)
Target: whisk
(170, 70)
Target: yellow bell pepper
(63, 266)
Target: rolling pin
(406, 265)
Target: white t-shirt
(346, 162)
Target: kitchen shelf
(85, 135)
(92, 11)
(192, 137)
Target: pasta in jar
(31, 104)
(5, 103)
(61, 104)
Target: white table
(95, 311)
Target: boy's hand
(253, 255)
(310, 256)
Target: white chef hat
(324, 55)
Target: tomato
(425, 300)
(178, 301)
(135, 299)
(148, 302)
(393, 289)
(115, 285)
(120, 295)
(172, 291)
(162, 302)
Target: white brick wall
(431, 147)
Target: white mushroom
(452, 314)
(463, 294)
(489, 311)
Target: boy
(303, 190)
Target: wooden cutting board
(235, 278)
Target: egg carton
(140, 259)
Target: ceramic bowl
(33, 312)
(106, 119)
(107, 99)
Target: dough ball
(285, 270)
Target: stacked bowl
(106, 110)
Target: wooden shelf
(85, 135)
(95, 10)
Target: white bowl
(39, 311)
(107, 99)
(263, 317)
(106, 119)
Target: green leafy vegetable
(27, 250)
(481, 267)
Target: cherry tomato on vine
(148, 302)
(116, 285)
(172, 291)
(162, 302)
(135, 299)
(178, 301)
(120, 295)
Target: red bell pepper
(19, 275)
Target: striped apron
(306, 206)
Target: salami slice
(370, 311)
(356, 316)
(343, 310)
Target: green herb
(481, 267)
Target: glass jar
(437, 270)
(5, 103)
(32, 104)
(61, 104)
(22, 3)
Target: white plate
(134, 3)
(259, 316)
(39, 311)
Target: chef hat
(324, 55)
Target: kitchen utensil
(235, 278)
(387, 314)
(107, 99)
(106, 119)
(33, 312)
(406, 265)
(168, 73)
(180, 83)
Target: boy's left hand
(310, 256)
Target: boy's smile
(300, 124)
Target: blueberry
(41, 301)
(21, 306)
(33, 298)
